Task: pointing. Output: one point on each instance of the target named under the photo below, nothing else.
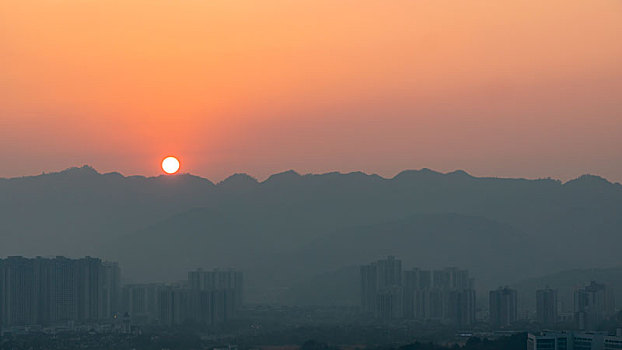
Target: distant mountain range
(291, 229)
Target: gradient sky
(525, 88)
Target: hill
(292, 227)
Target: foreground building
(574, 341)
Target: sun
(170, 165)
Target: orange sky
(500, 88)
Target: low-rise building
(566, 340)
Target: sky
(522, 88)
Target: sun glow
(170, 165)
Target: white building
(574, 341)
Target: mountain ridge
(87, 170)
(269, 227)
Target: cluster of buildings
(207, 297)
(447, 295)
(593, 304)
(574, 341)
(388, 292)
(60, 291)
(52, 291)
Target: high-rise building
(369, 287)
(389, 272)
(436, 304)
(20, 291)
(460, 308)
(592, 305)
(411, 281)
(49, 291)
(503, 307)
(452, 298)
(231, 280)
(390, 303)
(209, 297)
(62, 290)
(380, 280)
(174, 305)
(90, 289)
(445, 295)
(451, 278)
(142, 301)
(111, 290)
(546, 306)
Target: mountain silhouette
(291, 228)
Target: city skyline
(311, 174)
(62, 291)
(58, 290)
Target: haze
(522, 88)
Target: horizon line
(457, 172)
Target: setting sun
(170, 165)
